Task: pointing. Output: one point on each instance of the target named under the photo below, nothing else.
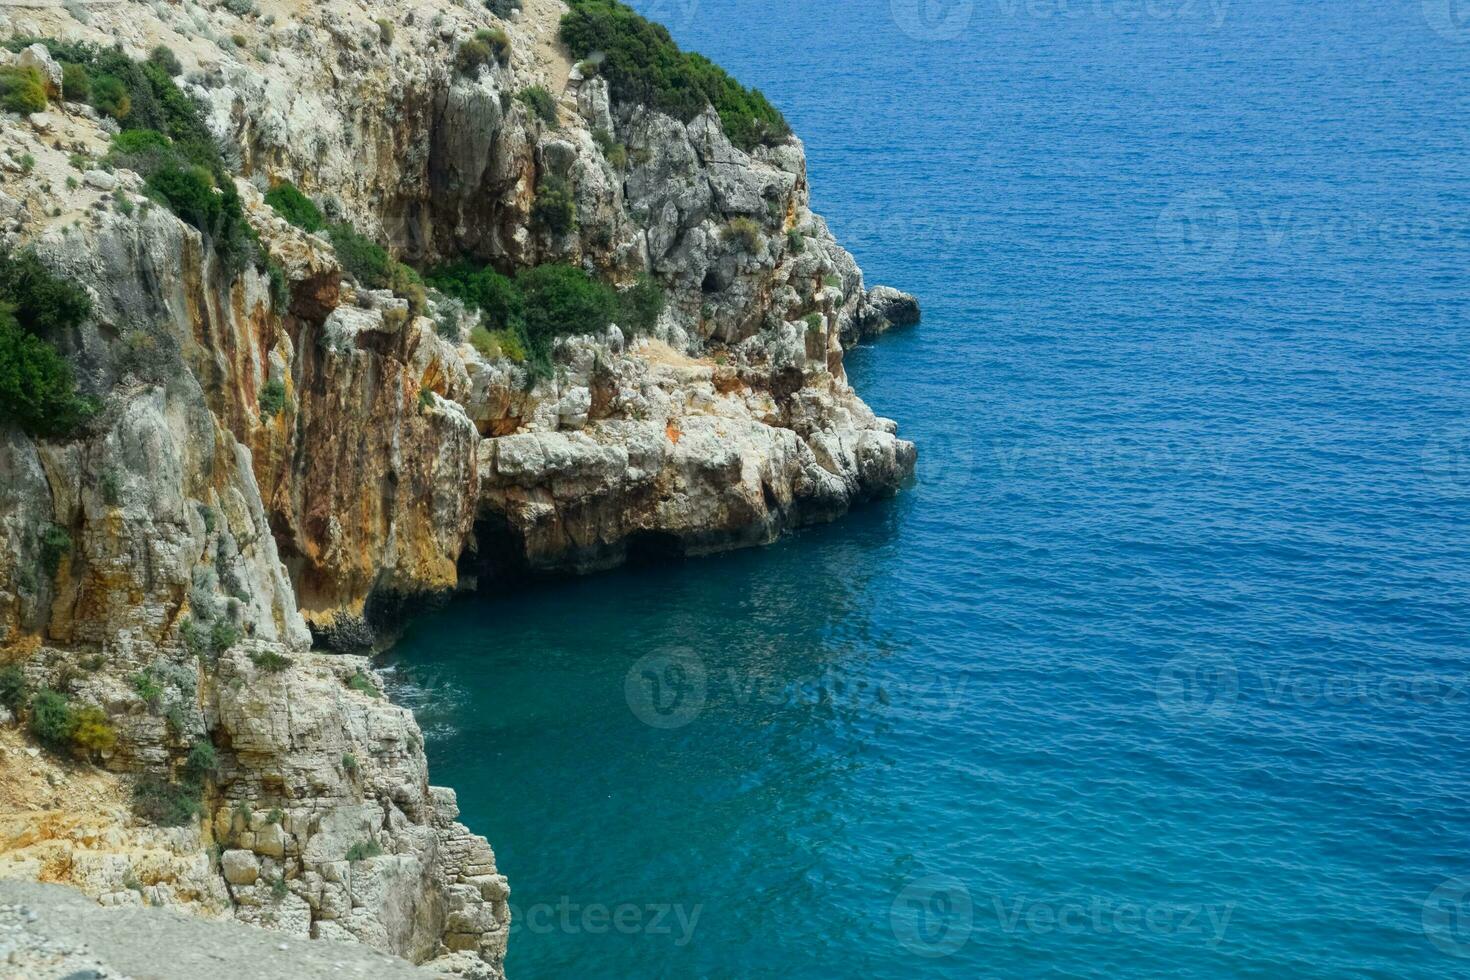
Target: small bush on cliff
(37, 391)
(270, 661)
(295, 207)
(555, 209)
(496, 296)
(167, 804)
(222, 636)
(44, 303)
(563, 299)
(202, 761)
(190, 193)
(615, 152)
(363, 684)
(641, 304)
(76, 84)
(493, 344)
(498, 41)
(93, 732)
(147, 687)
(13, 687)
(164, 58)
(744, 232)
(487, 46)
(364, 259)
(272, 399)
(52, 719)
(55, 545)
(363, 850)
(22, 89)
(540, 102)
(349, 763)
(643, 66)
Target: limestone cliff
(173, 562)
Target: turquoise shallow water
(1160, 669)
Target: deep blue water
(1161, 667)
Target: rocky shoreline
(286, 457)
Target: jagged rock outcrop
(173, 563)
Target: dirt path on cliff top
(544, 17)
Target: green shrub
(473, 55)
(164, 58)
(202, 762)
(795, 242)
(743, 232)
(22, 89)
(385, 31)
(190, 194)
(92, 731)
(504, 342)
(498, 42)
(814, 322)
(55, 545)
(563, 299)
(141, 95)
(643, 66)
(363, 259)
(111, 487)
(363, 684)
(111, 97)
(140, 141)
(272, 398)
(222, 636)
(194, 637)
(295, 207)
(43, 302)
(349, 763)
(37, 391)
(363, 850)
(540, 102)
(604, 140)
(167, 804)
(496, 296)
(832, 281)
(554, 209)
(502, 8)
(76, 84)
(52, 718)
(13, 687)
(641, 304)
(270, 661)
(278, 887)
(147, 686)
(280, 286)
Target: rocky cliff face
(206, 540)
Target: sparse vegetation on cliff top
(643, 65)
